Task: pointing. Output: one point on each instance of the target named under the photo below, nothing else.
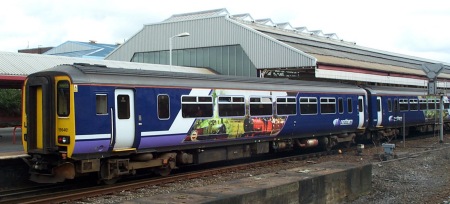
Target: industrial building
(242, 46)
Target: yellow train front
(48, 126)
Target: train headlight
(63, 139)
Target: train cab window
(63, 98)
(163, 107)
(260, 106)
(389, 104)
(308, 105)
(349, 105)
(196, 106)
(438, 104)
(446, 105)
(286, 106)
(101, 104)
(231, 106)
(423, 104)
(327, 105)
(341, 105)
(431, 104)
(123, 106)
(413, 104)
(403, 104)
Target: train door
(361, 111)
(39, 115)
(379, 111)
(124, 119)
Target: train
(83, 119)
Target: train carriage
(391, 108)
(81, 119)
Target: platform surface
(10, 146)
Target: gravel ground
(419, 175)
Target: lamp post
(185, 34)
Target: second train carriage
(80, 119)
(391, 108)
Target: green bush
(10, 102)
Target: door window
(123, 106)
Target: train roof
(97, 74)
(399, 91)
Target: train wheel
(104, 176)
(163, 171)
(325, 144)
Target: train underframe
(380, 135)
(110, 169)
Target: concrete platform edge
(330, 182)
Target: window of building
(101, 104)
(260, 106)
(308, 105)
(403, 102)
(163, 106)
(123, 106)
(196, 106)
(63, 98)
(231, 106)
(286, 106)
(327, 105)
(413, 104)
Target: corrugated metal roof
(21, 64)
(316, 45)
(222, 31)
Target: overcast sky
(416, 27)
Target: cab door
(124, 119)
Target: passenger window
(341, 105)
(123, 106)
(431, 104)
(286, 106)
(260, 106)
(101, 104)
(231, 106)
(413, 104)
(163, 107)
(423, 104)
(63, 98)
(327, 105)
(349, 105)
(403, 104)
(196, 106)
(389, 103)
(308, 105)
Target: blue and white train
(82, 119)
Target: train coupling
(59, 174)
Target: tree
(10, 102)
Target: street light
(185, 34)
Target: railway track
(46, 196)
